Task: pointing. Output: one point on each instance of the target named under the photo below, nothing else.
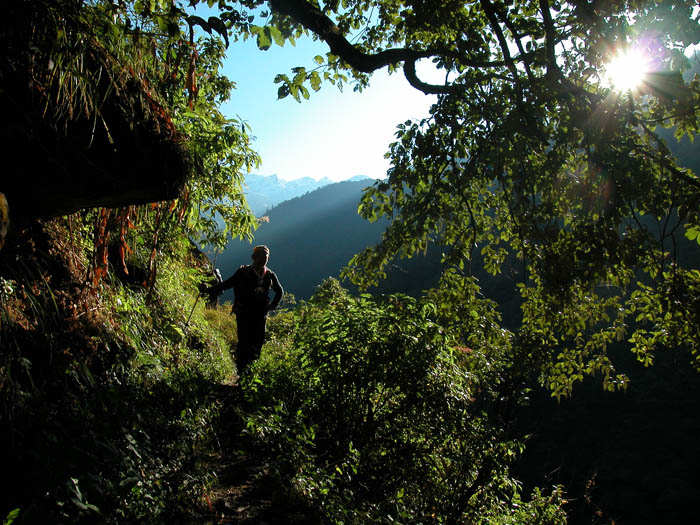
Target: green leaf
(280, 78)
(282, 92)
(162, 23)
(129, 482)
(319, 60)
(277, 36)
(264, 40)
(315, 80)
(11, 516)
(693, 234)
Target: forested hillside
(312, 237)
(548, 372)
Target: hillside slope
(266, 191)
(310, 237)
(314, 236)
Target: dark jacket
(251, 291)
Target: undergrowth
(371, 413)
(106, 392)
(366, 410)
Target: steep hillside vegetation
(310, 237)
(105, 404)
(120, 400)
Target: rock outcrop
(83, 133)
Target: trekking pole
(216, 254)
(192, 311)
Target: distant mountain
(265, 191)
(359, 177)
(310, 237)
(313, 236)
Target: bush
(107, 394)
(371, 417)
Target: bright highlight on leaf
(627, 70)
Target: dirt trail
(244, 492)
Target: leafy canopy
(530, 154)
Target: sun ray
(627, 70)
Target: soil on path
(244, 491)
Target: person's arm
(279, 292)
(224, 285)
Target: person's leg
(245, 347)
(258, 336)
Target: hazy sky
(333, 134)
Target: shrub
(372, 418)
(107, 394)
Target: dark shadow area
(625, 457)
(89, 434)
(244, 491)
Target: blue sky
(333, 134)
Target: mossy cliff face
(83, 129)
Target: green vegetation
(363, 408)
(106, 403)
(375, 416)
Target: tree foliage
(373, 414)
(149, 57)
(183, 67)
(376, 409)
(529, 153)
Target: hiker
(251, 285)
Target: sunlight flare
(626, 71)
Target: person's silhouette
(251, 286)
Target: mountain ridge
(311, 237)
(264, 192)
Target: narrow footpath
(244, 492)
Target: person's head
(260, 256)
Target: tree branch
(490, 12)
(550, 38)
(517, 39)
(312, 18)
(662, 159)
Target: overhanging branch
(409, 70)
(312, 18)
